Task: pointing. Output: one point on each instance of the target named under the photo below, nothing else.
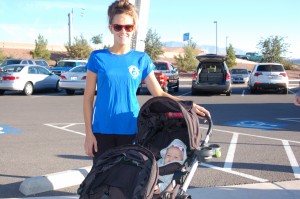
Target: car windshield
(78, 70)
(270, 68)
(160, 66)
(239, 71)
(66, 64)
(9, 62)
(13, 69)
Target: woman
(117, 72)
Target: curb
(54, 181)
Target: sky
(239, 23)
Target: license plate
(73, 78)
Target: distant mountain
(204, 48)
(295, 61)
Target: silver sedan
(27, 78)
(74, 79)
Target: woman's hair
(122, 7)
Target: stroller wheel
(204, 154)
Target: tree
(79, 49)
(97, 39)
(231, 59)
(273, 49)
(153, 46)
(2, 56)
(41, 51)
(188, 61)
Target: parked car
(239, 75)
(26, 78)
(166, 75)
(74, 79)
(40, 62)
(66, 64)
(252, 56)
(242, 57)
(268, 76)
(211, 75)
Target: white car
(239, 75)
(74, 79)
(27, 78)
(268, 76)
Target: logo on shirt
(134, 71)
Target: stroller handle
(209, 131)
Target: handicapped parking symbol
(6, 129)
(256, 124)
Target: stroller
(131, 171)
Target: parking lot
(259, 137)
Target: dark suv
(212, 75)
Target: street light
(226, 44)
(216, 36)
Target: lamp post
(70, 16)
(226, 44)
(216, 36)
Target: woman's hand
(90, 144)
(200, 111)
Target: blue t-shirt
(118, 76)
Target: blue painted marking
(256, 124)
(6, 129)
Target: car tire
(28, 89)
(228, 93)
(138, 91)
(70, 92)
(194, 91)
(285, 91)
(176, 89)
(57, 89)
(2, 92)
(252, 90)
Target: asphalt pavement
(56, 181)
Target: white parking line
(64, 128)
(234, 172)
(292, 158)
(231, 151)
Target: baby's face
(173, 154)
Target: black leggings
(108, 141)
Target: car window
(81, 63)
(239, 71)
(9, 62)
(160, 66)
(270, 68)
(13, 68)
(24, 62)
(43, 71)
(30, 62)
(79, 70)
(32, 70)
(212, 67)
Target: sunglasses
(127, 27)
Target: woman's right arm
(90, 144)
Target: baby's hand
(156, 190)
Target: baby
(175, 152)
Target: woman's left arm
(155, 90)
